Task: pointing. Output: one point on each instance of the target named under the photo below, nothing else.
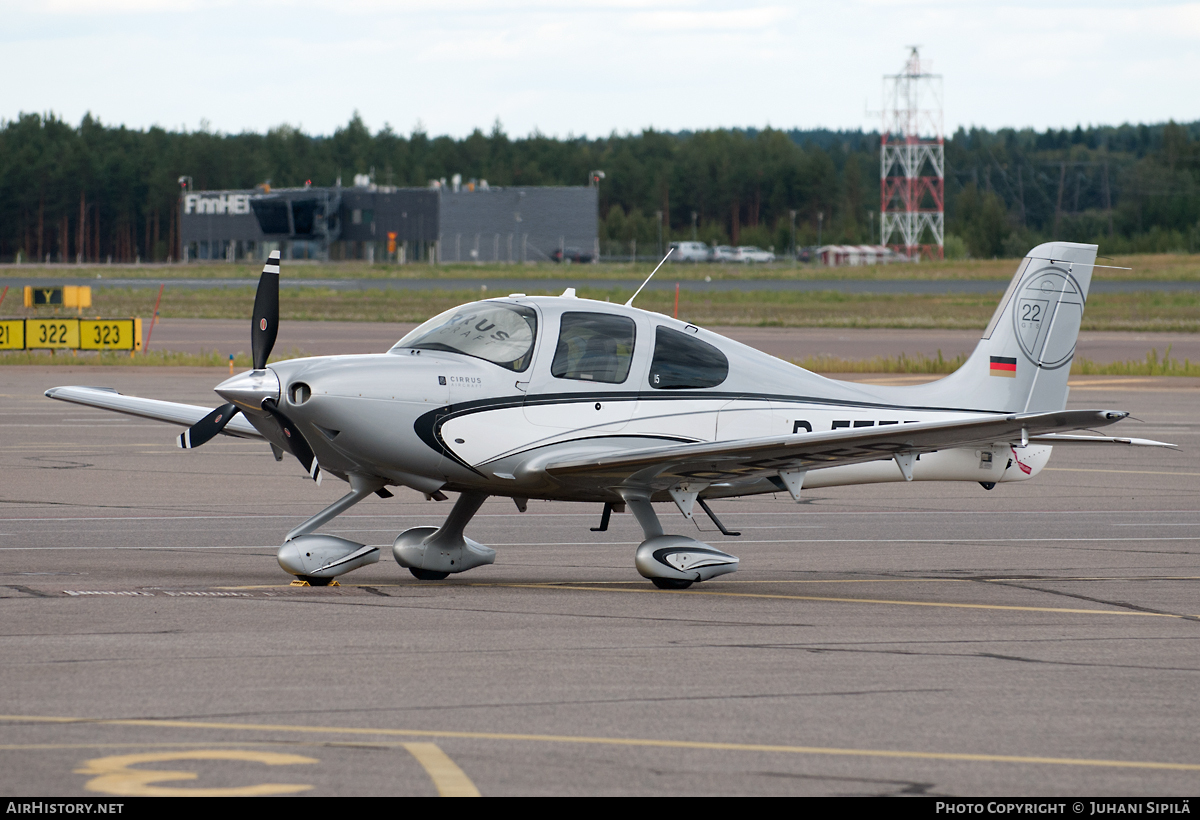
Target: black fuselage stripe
(674, 395)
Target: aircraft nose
(248, 390)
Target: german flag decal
(1004, 366)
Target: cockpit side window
(493, 331)
(682, 362)
(594, 347)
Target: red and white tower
(912, 162)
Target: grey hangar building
(473, 223)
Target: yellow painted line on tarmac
(450, 780)
(1096, 470)
(958, 580)
(852, 581)
(208, 744)
(1102, 382)
(115, 775)
(605, 585)
(1145, 384)
(1095, 578)
(616, 741)
(942, 604)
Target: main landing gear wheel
(670, 583)
(428, 574)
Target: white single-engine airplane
(568, 399)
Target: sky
(592, 67)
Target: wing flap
(185, 415)
(745, 458)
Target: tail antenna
(648, 278)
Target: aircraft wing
(663, 467)
(183, 414)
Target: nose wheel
(428, 574)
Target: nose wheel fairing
(324, 556)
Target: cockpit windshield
(496, 332)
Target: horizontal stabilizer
(186, 415)
(1059, 438)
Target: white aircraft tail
(1022, 362)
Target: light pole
(594, 178)
(658, 216)
(820, 221)
(694, 215)
(185, 184)
(793, 214)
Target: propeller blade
(207, 427)
(295, 441)
(266, 312)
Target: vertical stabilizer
(1022, 362)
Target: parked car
(749, 253)
(690, 252)
(725, 253)
(571, 255)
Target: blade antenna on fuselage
(648, 278)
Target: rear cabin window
(595, 347)
(682, 362)
(493, 331)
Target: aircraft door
(682, 368)
(586, 383)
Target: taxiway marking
(1061, 610)
(1129, 472)
(615, 741)
(450, 780)
(1027, 579)
(114, 775)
